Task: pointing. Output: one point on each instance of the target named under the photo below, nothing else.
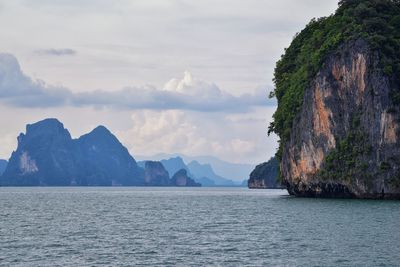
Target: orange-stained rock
(349, 96)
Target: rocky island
(47, 156)
(265, 175)
(338, 92)
(157, 175)
(180, 178)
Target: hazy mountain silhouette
(234, 171)
(47, 155)
(3, 165)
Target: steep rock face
(103, 160)
(265, 175)
(47, 155)
(155, 174)
(344, 142)
(181, 178)
(3, 165)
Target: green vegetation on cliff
(375, 21)
(351, 154)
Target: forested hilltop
(341, 73)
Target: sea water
(147, 226)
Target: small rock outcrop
(155, 174)
(201, 173)
(265, 175)
(180, 178)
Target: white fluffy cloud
(195, 133)
(196, 88)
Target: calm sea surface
(193, 227)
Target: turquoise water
(193, 227)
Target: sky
(165, 76)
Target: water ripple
(192, 227)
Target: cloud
(57, 52)
(17, 89)
(190, 133)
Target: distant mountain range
(206, 172)
(47, 156)
(175, 164)
(237, 172)
(201, 173)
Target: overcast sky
(166, 76)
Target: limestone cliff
(155, 174)
(44, 156)
(103, 160)
(338, 115)
(347, 104)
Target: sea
(160, 226)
